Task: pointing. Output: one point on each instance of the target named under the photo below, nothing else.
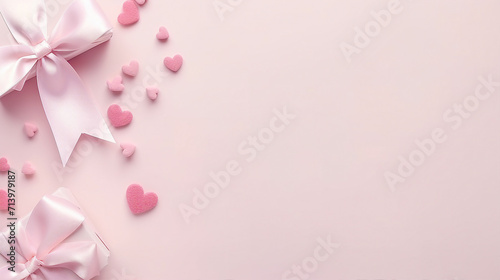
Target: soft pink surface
(323, 174)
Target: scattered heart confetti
(28, 168)
(132, 69)
(140, 2)
(162, 35)
(173, 64)
(118, 117)
(152, 92)
(140, 202)
(4, 165)
(128, 149)
(30, 129)
(116, 84)
(130, 14)
(4, 198)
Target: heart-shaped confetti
(140, 202)
(131, 69)
(140, 2)
(128, 149)
(116, 84)
(152, 92)
(118, 117)
(28, 169)
(173, 63)
(4, 165)
(162, 34)
(4, 198)
(130, 14)
(30, 129)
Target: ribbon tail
(68, 105)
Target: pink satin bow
(66, 101)
(42, 252)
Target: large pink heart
(118, 117)
(130, 14)
(140, 202)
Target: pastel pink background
(323, 175)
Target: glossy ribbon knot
(65, 99)
(42, 251)
(42, 49)
(33, 265)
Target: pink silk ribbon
(66, 100)
(41, 250)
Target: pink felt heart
(130, 14)
(4, 165)
(28, 168)
(128, 149)
(162, 34)
(116, 84)
(173, 64)
(140, 2)
(30, 129)
(118, 117)
(140, 202)
(152, 92)
(4, 198)
(132, 69)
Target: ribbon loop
(27, 22)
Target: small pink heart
(4, 198)
(130, 14)
(173, 64)
(28, 169)
(140, 2)
(132, 69)
(162, 34)
(4, 165)
(116, 84)
(128, 149)
(118, 117)
(152, 92)
(138, 201)
(30, 129)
